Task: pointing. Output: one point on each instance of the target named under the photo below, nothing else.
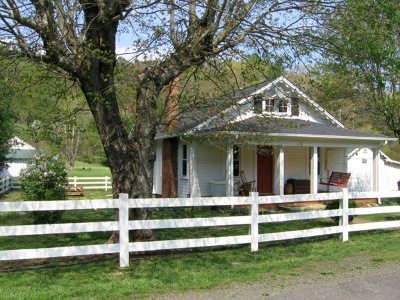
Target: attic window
(270, 105)
(283, 106)
(261, 104)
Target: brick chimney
(171, 103)
(170, 145)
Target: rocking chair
(248, 186)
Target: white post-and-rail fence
(86, 182)
(124, 224)
(5, 184)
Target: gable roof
(280, 87)
(234, 113)
(20, 150)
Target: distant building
(17, 159)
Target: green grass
(182, 270)
(89, 170)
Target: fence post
(75, 181)
(344, 220)
(254, 221)
(106, 183)
(123, 230)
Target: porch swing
(338, 179)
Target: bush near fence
(124, 224)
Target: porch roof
(295, 128)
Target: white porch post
(281, 171)
(314, 170)
(194, 179)
(375, 176)
(229, 171)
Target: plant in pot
(289, 186)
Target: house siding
(210, 166)
(296, 163)
(389, 176)
(248, 163)
(361, 169)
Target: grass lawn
(89, 170)
(166, 271)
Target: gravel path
(351, 279)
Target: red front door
(264, 171)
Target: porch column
(375, 172)
(314, 170)
(194, 179)
(281, 171)
(229, 171)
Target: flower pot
(288, 188)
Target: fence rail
(87, 183)
(123, 225)
(5, 184)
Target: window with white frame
(310, 155)
(184, 160)
(263, 104)
(236, 161)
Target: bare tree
(79, 38)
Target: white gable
(277, 99)
(18, 144)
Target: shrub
(239, 211)
(335, 205)
(44, 178)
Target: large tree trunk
(131, 160)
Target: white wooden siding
(360, 165)
(361, 169)
(210, 165)
(248, 162)
(296, 163)
(389, 176)
(16, 166)
(157, 176)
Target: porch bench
(338, 179)
(74, 190)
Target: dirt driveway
(349, 280)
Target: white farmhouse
(273, 132)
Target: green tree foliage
(79, 39)
(45, 178)
(364, 47)
(338, 92)
(7, 117)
